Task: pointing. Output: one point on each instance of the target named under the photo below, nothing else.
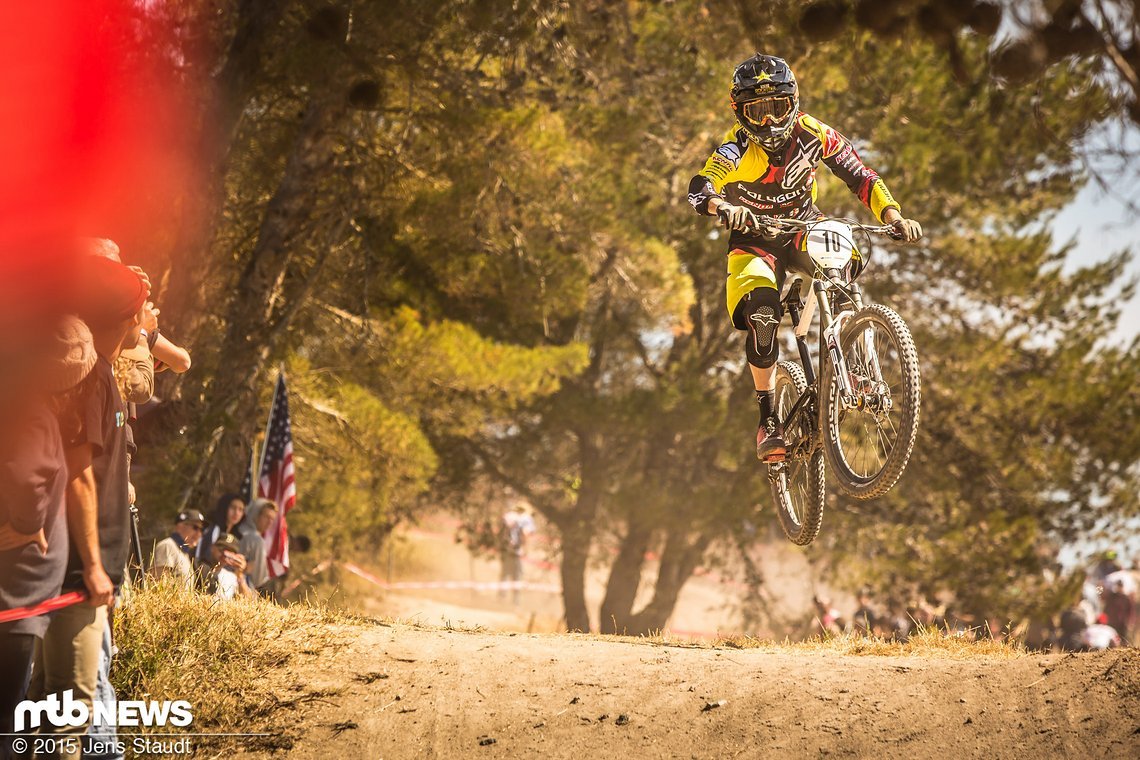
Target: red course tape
(43, 608)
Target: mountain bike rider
(765, 167)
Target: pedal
(774, 457)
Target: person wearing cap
(33, 526)
(172, 555)
(97, 498)
(227, 575)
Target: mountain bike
(860, 410)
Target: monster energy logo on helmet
(766, 100)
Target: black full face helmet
(766, 100)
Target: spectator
(172, 555)
(864, 619)
(526, 520)
(1100, 635)
(148, 353)
(229, 511)
(1073, 625)
(1126, 580)
(1119, 609)
(134, 375)
(263, 513)
(166, 355)
(895, 623)
(1090, 601)
(827, 617)
(516, 525)
(1039, 635)
(33, 526)
(98, 502)
(1105, 567)
(921, 614)
(258, 520)
(996, 628)
(227, 580)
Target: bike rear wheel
(868, 445)
(798, 481)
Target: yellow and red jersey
(784, 184)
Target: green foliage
(484, 275)
(362, 430)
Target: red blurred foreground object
(90, 105)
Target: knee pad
(762, 314)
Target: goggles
(764, 111)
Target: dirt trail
(394, 691)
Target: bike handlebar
(771, 226)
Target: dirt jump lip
(446, 693)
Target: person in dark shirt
(1073, 625)
(33, 528)
(98, 515)
(1119, 610)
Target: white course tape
(548, 588)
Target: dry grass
(220, 656)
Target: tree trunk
(577, 528)
(575, 553)
(226, 98)
(625, 578)
(257, 319)
(678, 562)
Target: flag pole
(255, 482)
(253, 473)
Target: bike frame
(826, 284)
(831, 324)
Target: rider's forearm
(860, 179)
(881, 202)
(703, 196)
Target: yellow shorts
(747, 272)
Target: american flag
(276, 479)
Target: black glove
(737, 218)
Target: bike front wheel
(798, 481)
(869, 437)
